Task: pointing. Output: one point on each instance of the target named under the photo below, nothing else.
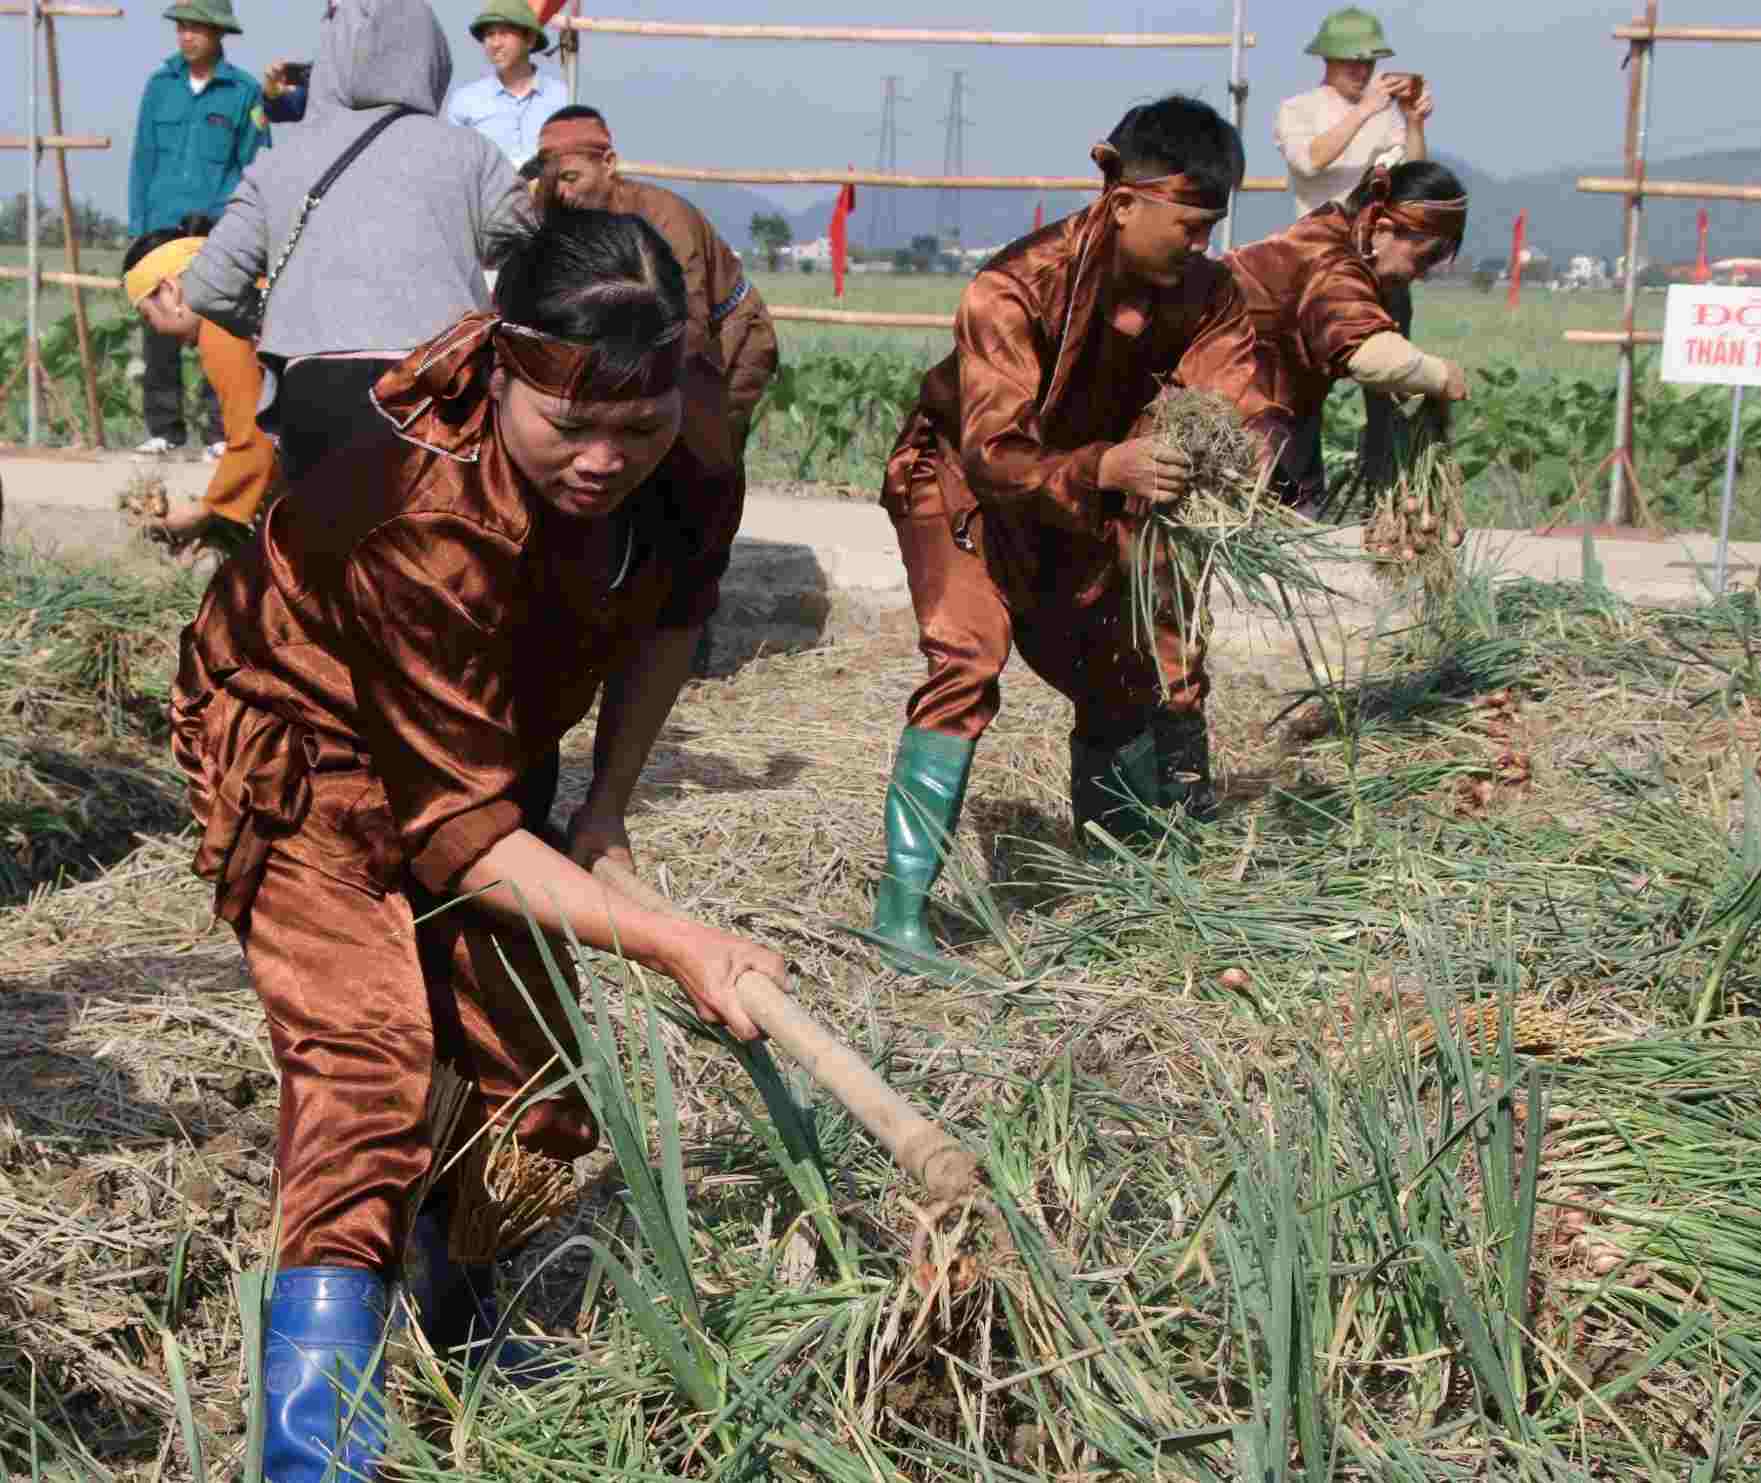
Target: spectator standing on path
(390, 257)
(201, 124)
(510, 106)
(1330, 138)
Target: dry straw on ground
(1178, 1148)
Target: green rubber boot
(923, 811)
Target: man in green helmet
(1354, 119)
(201, 123)
(509, 106)
(1329, 138)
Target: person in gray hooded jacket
(392, 255)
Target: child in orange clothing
(152, 274)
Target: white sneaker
(154, 448)
(214, 452)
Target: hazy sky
(1522, 85)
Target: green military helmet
(516, 13)
(1350, 35)
(216, 13)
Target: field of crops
(1532, 439)
(1403, 1125)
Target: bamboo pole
(858, 317)
(945, 1169)
(89, 11)
(65, 280)
(895, 181)
(54, 141)
(1637, 32)
(1237, 105)
(1619, 509)
(70, 241)
(1680, 190)
(1614, 337)
(674, 31)
(34, 287)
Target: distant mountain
(1562, 220)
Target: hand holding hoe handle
(946, 1170)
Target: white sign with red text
(1712, 336)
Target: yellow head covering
(158, 265)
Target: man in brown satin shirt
(1016, 483)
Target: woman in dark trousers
(390, 256)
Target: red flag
(546, 9)
(1039, 215)
(1516, 258)
(1703, 269)
(840, 234)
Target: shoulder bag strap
(318, 191)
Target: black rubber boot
(1165, 767)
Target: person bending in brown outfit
(368, 709)
(577, 162)
(1016, 483)
(1324, 296)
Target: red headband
(1445, 219)
(562, 368)
(1177, 190)
(573, 136)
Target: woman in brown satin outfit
(1324, 296)
(368, 709)
(1016, 482)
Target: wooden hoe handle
(946, 1170)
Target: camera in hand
(1409, 86)
(298, 74)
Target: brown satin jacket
(722, 298)
(1043, 380)
(417, 615)
(1314, 302)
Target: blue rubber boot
(456, 1307)
(325, 1325)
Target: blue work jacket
(191, 148)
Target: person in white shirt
(511, 105)
(1331, 138)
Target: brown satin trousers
(1086, 651)
(362, 1003)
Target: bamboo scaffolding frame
(1641, 38)
(1680, 190)
(896, 181)
(690, 31)
(42, 17)
(54, 141)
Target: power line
(953, 159)
(883, 216)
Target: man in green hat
(1329, 138)
(201, 123)
(1354, 119)
(510, 106)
